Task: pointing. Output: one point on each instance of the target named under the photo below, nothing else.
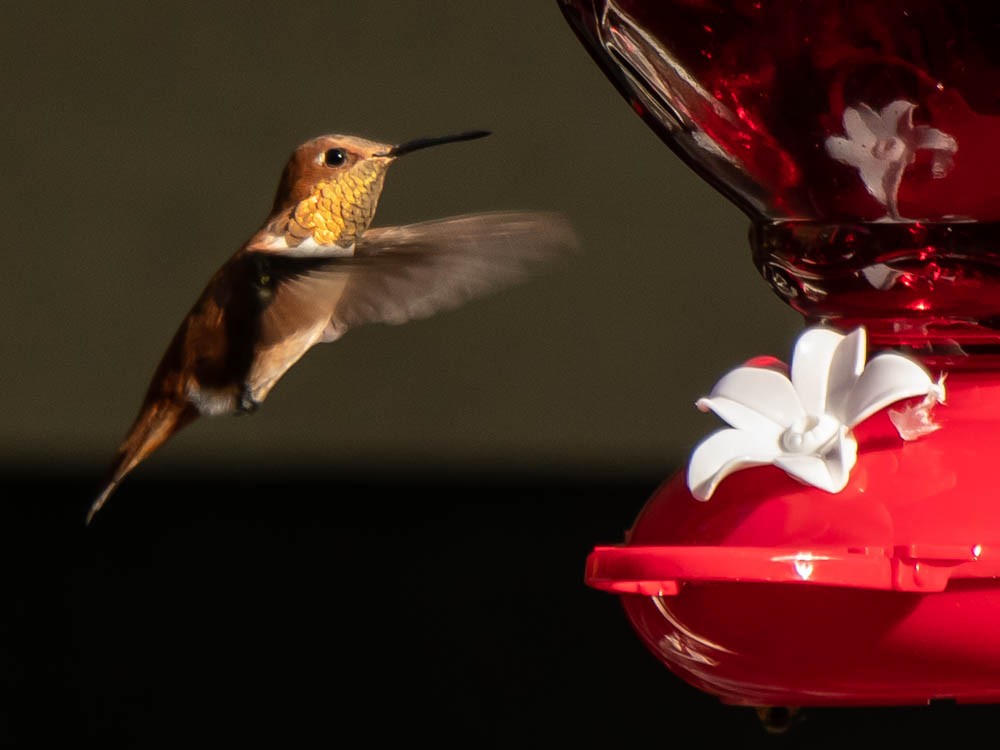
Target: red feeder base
(774, 593)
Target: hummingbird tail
(155, 424)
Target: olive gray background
(142, 145)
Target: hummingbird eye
(335, 157)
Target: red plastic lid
(913, 516)
(659, 571)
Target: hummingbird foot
(247, 403)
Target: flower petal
(812, 363)
(913, 421)
(896, 118)
(941, 164)
(829, 472)
(873, 174)
(934, 139)
(848, 151)
(892, 178)
(742, 417)
(862, 125)
(842, 458)
(881, 275)
(888, 378)
(722, 453)
(846, 366)
(765, 391)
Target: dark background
(392, 548)
(220, 610)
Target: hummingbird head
(330, 187)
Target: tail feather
(155, 424)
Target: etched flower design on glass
(881, 145)
(803, 424)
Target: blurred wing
(396, 274)
(409, 272)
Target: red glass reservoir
(860, 137)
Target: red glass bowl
(776, 593)
(861, 138)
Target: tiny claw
(248, 404)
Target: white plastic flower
(881, 145)
(803, 424)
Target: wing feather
(410, 272)
(396, 274)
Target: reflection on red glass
(857, 136)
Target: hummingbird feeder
(837, 541)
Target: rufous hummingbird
(314, 271)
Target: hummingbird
(315, 270)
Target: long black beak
(419, 143)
